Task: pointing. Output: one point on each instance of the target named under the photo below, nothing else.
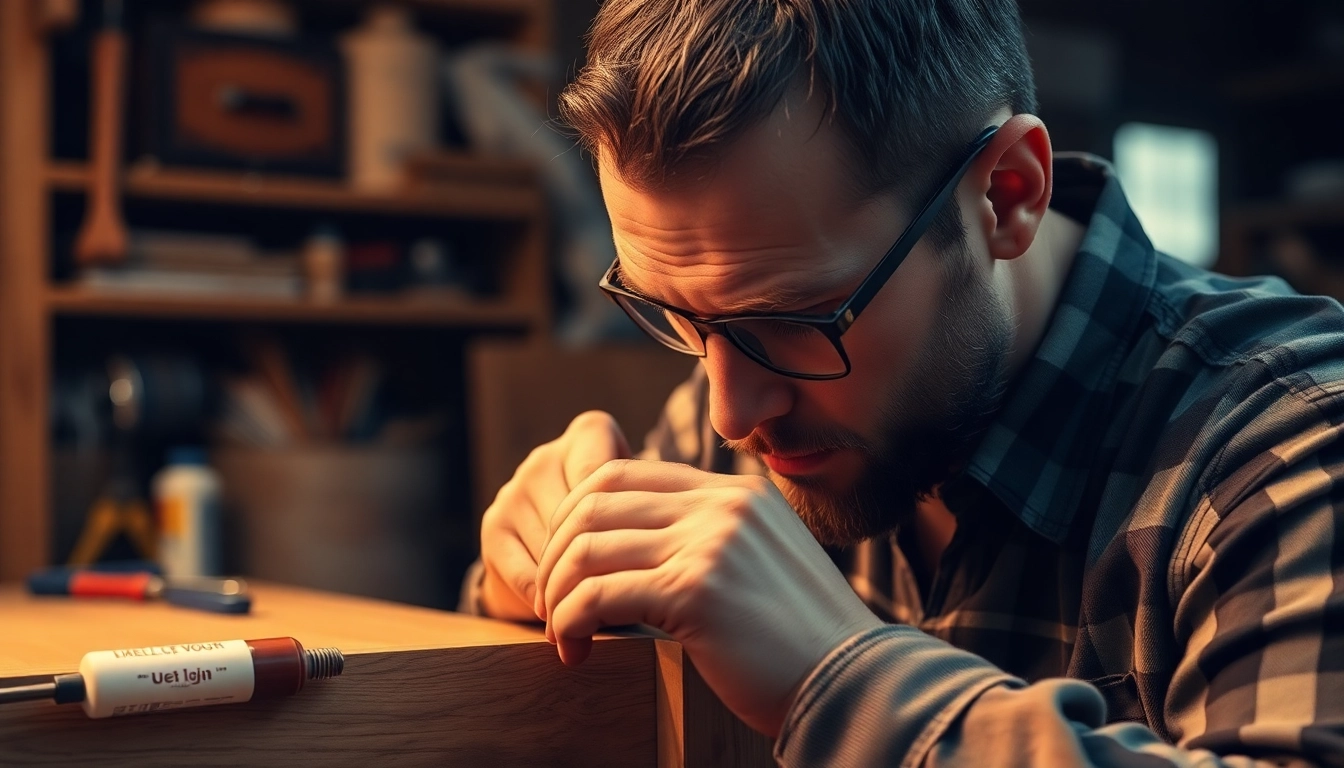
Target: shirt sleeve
(1258, 589)
(896, 696)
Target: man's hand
(720, 562)
(514, 528)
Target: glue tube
(161, 678)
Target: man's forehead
(741, 296)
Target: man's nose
(742, 393)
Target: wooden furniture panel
(420, 687)
(25, 355)
(525, 394)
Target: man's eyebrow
(773, 299)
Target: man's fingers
(510, 581)
(595, 554)
(625, 597)
(529, 521)
(597, 512)
(632, 475)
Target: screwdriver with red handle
(206, 594)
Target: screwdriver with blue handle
(206, 594)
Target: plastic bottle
(187, 503)
(393, 108)
(324, 264)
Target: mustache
(792, 440)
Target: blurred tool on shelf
(151, 397)
(102, 237)
(280, 405)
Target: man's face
(775, 226)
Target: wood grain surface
(468, 706)
(420, 687)
(49, 635)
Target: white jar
(393, 108)
(187, 506)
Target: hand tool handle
(85, 583)
(103, 238)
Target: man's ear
(1012, 179)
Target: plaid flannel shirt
(1146, 569)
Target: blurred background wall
(334, 250)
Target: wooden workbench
(420, 687)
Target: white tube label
(164, 677)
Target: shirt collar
(1035, 455)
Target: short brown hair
(909, 82)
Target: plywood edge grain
(694, 726)
(671, 723)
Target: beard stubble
(927, 426)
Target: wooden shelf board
(506, 8)
(396, 310)
(477, 197)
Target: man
(1083, 496)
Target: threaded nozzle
(323, 662)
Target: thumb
(592, 439)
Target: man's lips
(797, 464)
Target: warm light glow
(121, 391)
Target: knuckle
(519, 581)
(591, 596)
(583, 548)
(490, 518)
(611, 473)
(699, 583)
(537, 457)
(589, 510)
(590, 421)
(500, 512)
(741, 501)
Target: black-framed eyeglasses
(795, 345)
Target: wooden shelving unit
(497, 191)
(501, 196)
(424, 311)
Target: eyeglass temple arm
(901, 248)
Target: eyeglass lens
(782, 345)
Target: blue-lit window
(1170, 176)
